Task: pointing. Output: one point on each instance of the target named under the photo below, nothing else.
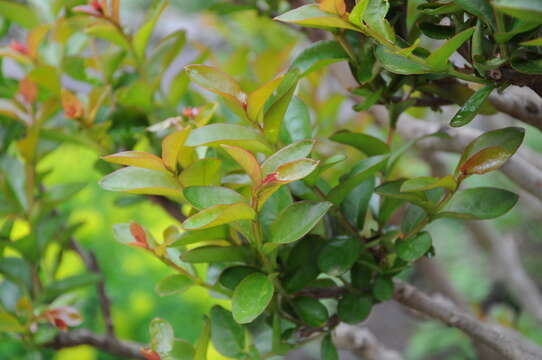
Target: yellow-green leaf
(172, 145)
(312, 16)
(138, 159)
(218, 215)
(257, 98)
(247, 161)
(229, 134)
(439, 58)
(141, 37)
(141, 181)
(216, 81)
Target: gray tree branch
(361, 342)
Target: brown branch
(323, 293)
(506, 342)
(105, 343)
(169, 206)
(89, 258)
(361, 342)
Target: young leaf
(203, 172)
(292, 152)
(338, 255)
(509, 139)
(203, 197)
(415, 247)
(362, 171)
(108, 32)
(217, 81)
(375, 17)
(274, 116)
(295, 170)
(310, 311)
(484, 161)
(161, 336)
(439, 58)
(137, 159)
(216, 254)
(247, 161)
(141, 37)
(229, 134)
(251, 297)
(181, 350)
(172, 145)
(367, 144)
(195, 236)
(318, 55)
(173, 284)
(297, 220)
(141, 181)
(227, 336)
(471, 107)
(256, 99)
(218, 215)
(479, 203)
(312, 16)
(427, 183)
(353, 308)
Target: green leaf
(528, 10)
(297, 220)
(15, 176)
(227, 336)
(141, 181)
(257, 99)
(439, 58)
(136, 159)
(232, 276)
(480, 8)
(195, 236)
(203, 342)
(361, 277)
(362, 171)
(436, 31)
(216, 254)
(20, 14)
(8, 322)
(312, 16)
(295, 170)
(479, 203)
(354, 308)
(251, 297)
(59, 287)
(383, 288)
(297, 123)
(311, 311)
(108, 32)
(338, 255)
(427, 183)
(173, 284)
(530, 65)
(367, 144)
(229, 134)
(375, 17)
(274, 115)
(203, 197)
(509, 139)
(399, 64)
(142, 36)
(318, 55)
(356, 204)
(216, 81)
(415, 247)
(180, 350)
(356, 15)
(247, 161)
(161, 336)
(218, 215)
(202, 172)
(471, 107)
(292, 152)
(327, 349)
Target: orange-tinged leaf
(63, 317)
(216, 81)
(73, 108)
(136, 158)
(28, 90)
(247, 161)
(172, 145)
(218, 215)
(257, 98)
(486, 160)
(333, 6)
(295, 170)
(35, 38)
(139, 234)
(149, 354)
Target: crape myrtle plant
(296, 240)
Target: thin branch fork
(361, 342)
(506, 342)
(105, 343)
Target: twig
(169, 206)
(105, 343)
(506, 342)
(89, 258)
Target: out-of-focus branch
(520, 103)
(506, 342)
(508, 267)
(361, 342)
(89, 258)
(105, 343)
(169, 206)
